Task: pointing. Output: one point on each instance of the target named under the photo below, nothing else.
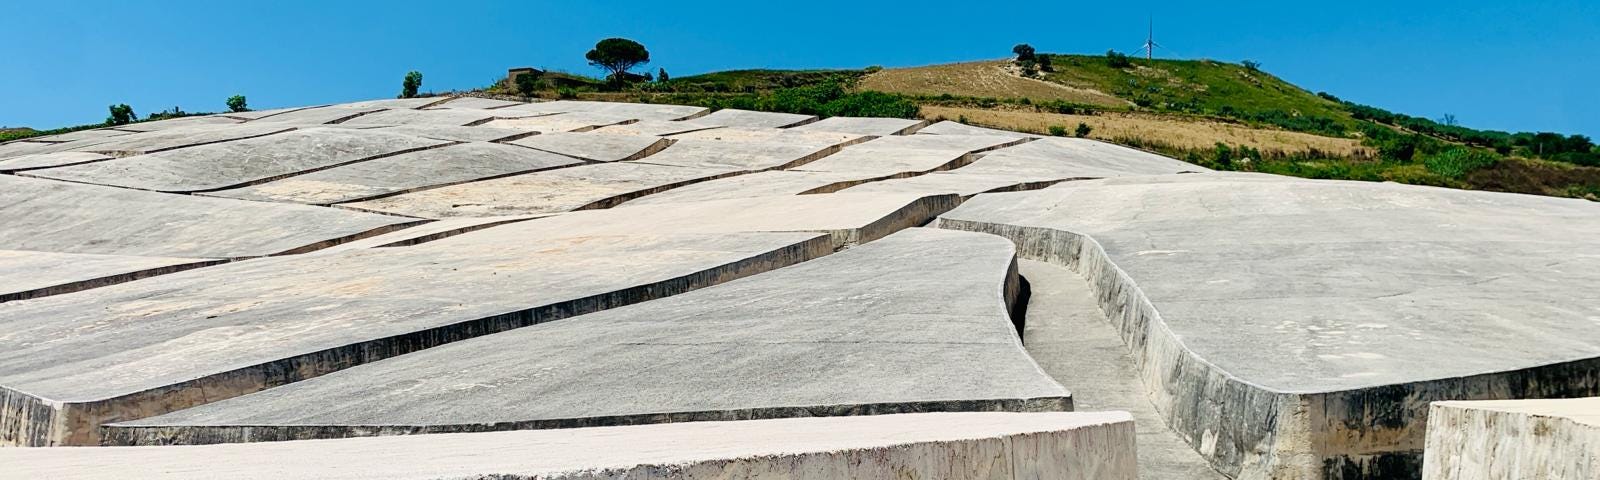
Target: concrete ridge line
(621, 198)
(924, 123)
(393, 227)
(245, 433)
(450, 184)
(450, 233)
(297, 173)
(119, 154)
(113, 279)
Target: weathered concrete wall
(987, 446)
(1514, 439)
(1249, 431)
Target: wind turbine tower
(1150, 41)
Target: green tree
(527, 83)
(237, 103)
(121, 114)
(617, 56)
(1082, 130)
(1024, 52)
(661, 75)
(409, 86)
(1044, 63)
(1115, 59)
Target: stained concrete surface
(733, 117)
(552, 191)
(775, 135)
(29, 274)
(46, 215)
(81, 135)
(244, 162)
(1075, 344)
(459, 117)
(428, 232)
(47, 160)
(458, 134)
(475, 102)
(559, 122)
(181, 122)
(318, 115)
(946, 127)
(760, 184)
(658, 127)
(908, 155)
(451, 164)
(955, 446)
(1074, 158)
(863, 126)
(1347, 296)
(1513, 439)
(948, 182)
(846, 334)
(595, 147)
(744, 156)
(204, 335)
(178, 137)
(640, 111)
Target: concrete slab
(595, 147)
(460, 117)
(864, 126)
(255, 114)
(559, 122)
(1513, 439)
(181, 122)
(402, 173)
(848, 218)
(759, 184)
(733, 117)
(658, 128)
(429, 232)
(946, 127)
(396, 103)
(903, 156)
(775, 135)
(210, 334)
(179, 137)
(220, 166)
(1297, 328)
(458, 134)
(26, 274)
(1074, 158)
(746, 157)
(640, 111)
(476, 102)
(795, 342)
(955, 446)
(950, 182)
(318, 115)
(562, 190)
(52, 216)
(81, 135)
(47, 160)
(26, 148)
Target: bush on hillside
(1058, 131)
(409, 86)
(1082, 130)
(1115, 59)
(121, 114)
(237, 103)
(1024, 52)
(1457, 162)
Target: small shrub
(1058, 131)
(237, 103)
(121, 114)
(409, 86)
(1459, 161)
(1115, 59)
(661, 75)
(1082, 130)
(1044, 64)
(527, 83)
(1024, 52)
(961, 119)
(567, 92)
(1251, 65)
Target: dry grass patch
(1174, 131)
(981, 79)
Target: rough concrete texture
(428, 232)
(641, 111)
(946, 127)
(595, 147)
(82, 135)
(898, 156)
(257, 114)
(406, 172)
(161, 140)
(1068, 158)
(1297, 329)
(559, 122)
(848, 334)
(239, 163)
(458, 134)
(743, 156)
(318, 115)
(47, 160)
(1069, 336)
(760, 184)
(209, 334)
(52, 216)
(475, 102)
(848, 218)
(775, 135)
(181, 122)
(396, 103)
(864, 126)
(949, 182)
(1513, 439)
(733, 117)
(954, 446)
(553, 191)
(459, 117)
(25, 148)
(27, 274)
(658, 127)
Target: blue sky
(1500, 65)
